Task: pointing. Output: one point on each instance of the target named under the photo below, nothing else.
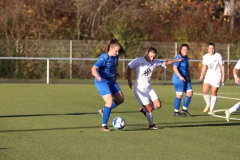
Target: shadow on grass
(36, 115)
(198, 115)
(133, 127)
(203, 125)
(3, 148)
(60, 114)
(180, 125)
(71, 128)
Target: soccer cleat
(105, 128)
(228, 114)
(211, 113)
(185, 113)
(153, 126)
(141, 110)
(178, 114)
(206, 109)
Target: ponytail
(111, 43)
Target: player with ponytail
(104, 71)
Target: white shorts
(145, 98)
(214, 80)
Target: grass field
(60, 121)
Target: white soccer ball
(119, 123)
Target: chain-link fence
(93, 48)
(32, 69)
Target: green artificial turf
(60, 121)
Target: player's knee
(189, 94)
(120, 101)
(179, 96)
(158, 106)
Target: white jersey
(144, 70)
(213, 62)
(237, 66)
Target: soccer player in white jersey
(213, 63)
(143, 90)
(236, 107)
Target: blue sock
(177, 103)
(187, 101)
(114, 105)
(106, 115)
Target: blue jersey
(182, 67)
(106, 66)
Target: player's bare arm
(95, 73)
(204, 68)
(129, 71)
(175, 69)
(169, 62)
(223, 73)
(236, 79)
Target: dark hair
(122, 50)
(183, 45)
(211, 44)
(111, 43)
(151, 49)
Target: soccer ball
(119, 123)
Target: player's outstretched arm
(171, 61)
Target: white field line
(228, 93)
(221, 110)
(219, 96)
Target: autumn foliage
(131, 21)
(171, 20)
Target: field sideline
(60, 121)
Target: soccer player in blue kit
(104, 71)
(182, 82)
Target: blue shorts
(181, 86)
(107, 87)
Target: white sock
(207, 99)
(213, 102)
(184, 108)
(234, 108)
(149, 117)
(176, 110)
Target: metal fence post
(165, 75)
(228, 57)
(70, 65)
(123, 70)
(48, 71)
(176, 51)
(17, 46)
